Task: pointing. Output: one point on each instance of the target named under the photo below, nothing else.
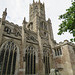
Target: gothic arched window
(43, 25)
(8, 55)
(17, 34)
(7, 29)
(30, 26)
(30, 59)
(46, 60)
(58, 51)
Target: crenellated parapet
(36, 7)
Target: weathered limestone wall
(65, 63)
(67, 70)
(72, 57)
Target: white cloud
(18, 9)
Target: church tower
(30, 49)
(36, 13)
(43, 29)
(37, 20)
(36, 8)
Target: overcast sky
(18, 9)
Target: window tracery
(7, 29)
(46, 60)
(30, 59)
(58, 51)
(30, 26)
(43, 25)
(8, 56)
(17, 34)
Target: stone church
(30, 49)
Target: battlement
(36, 8)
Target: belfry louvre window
(8, 54)
(30, 59)
(43, 25)
(46, 60)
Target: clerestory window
(7, 29)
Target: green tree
(68, 22)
